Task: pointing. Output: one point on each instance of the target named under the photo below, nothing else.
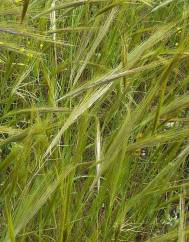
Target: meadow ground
(94, 120)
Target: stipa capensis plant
(94, 120)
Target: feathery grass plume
(94, 120)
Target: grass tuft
(94, 121)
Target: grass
(94, 121)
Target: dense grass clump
(94, 120)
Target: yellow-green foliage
(94, 121)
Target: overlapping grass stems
(94, 120)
